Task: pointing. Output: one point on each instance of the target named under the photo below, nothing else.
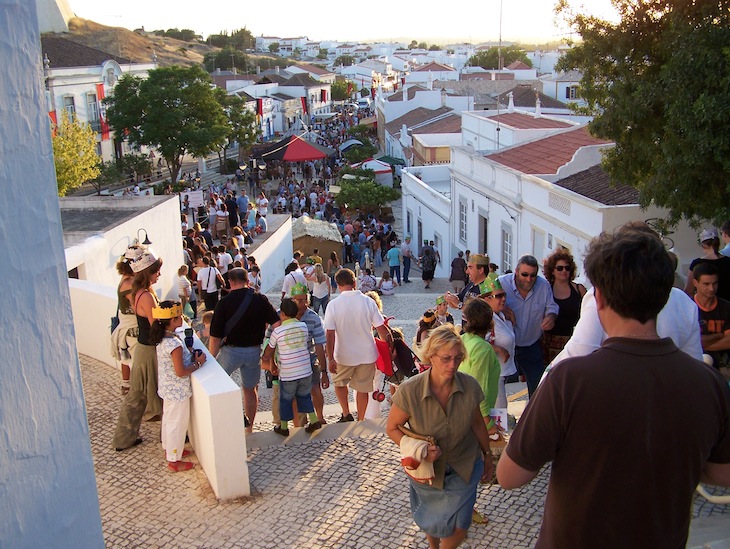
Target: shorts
(359, 377)
(246, 359)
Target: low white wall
(273, 255)
(216, 415)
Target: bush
(230, 166)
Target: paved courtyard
(341, 488)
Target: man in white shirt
(207, 277)
(224, 260)
(263, 204)
(678, 320)
(407, 253)
(293, 275)
(351, 351)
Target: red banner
(100, 94)
(350, 88)
(323, 96)
(54, 122)
(260, 107)
(372, 92)
(304, 105)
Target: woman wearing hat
(427, 323)
(143, 383)
(710, 243)
(502, 336)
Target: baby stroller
(400, 365)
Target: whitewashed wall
(49, 496)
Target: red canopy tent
(291, 149)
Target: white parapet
(216, 426)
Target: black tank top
(569, 313)
(143, 324)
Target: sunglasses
(530, 275)
(497, 296)
(561, 268)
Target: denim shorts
(247, 359)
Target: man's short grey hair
(528, 260)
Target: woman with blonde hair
(321, 289)
(460, 451)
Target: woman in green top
(481, 362)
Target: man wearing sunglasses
(531, 300)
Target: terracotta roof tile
(517, 66)
(434, 67)
(524, 96)
(448, 124)
(522, 121)
(416, 116)
(314, 69)
(66, 53)
(596, 184)
(398, 96)
(548, 155)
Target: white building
(431, 72)
(563, 86)
(77, 79)
(529, 198)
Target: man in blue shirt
(530, 297)
(393, 257)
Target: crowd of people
(633, 323)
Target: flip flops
(178, 466)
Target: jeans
(395, 272)
(246, 359)
(301, 389)
(530, 363)
(320, 302)
(406, 268)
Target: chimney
(276, 69)
(258, 70)
(538, 114)
(511, 106)
(217, 71)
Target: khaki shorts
(359, 377)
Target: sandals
(478, 518)
(178, 466)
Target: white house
(563, 86)
(430, 72)
(316, 72)
(527, 199)
(77, 78)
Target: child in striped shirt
(289, 341)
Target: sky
(522, 20)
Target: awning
(349, 143)
(369, 121)
(391, 160)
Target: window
(409, 221)
(538, 243)
(571, 92)
(92, 112)
(462, 219)
(506, 248)
(69, 106)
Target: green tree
(242, 39)
(74, 154)
(225, 59)
(434, 47)
(364, 194)
(489, 58)
(274, 47)
(297, 53)
(323, 53)
(413, 45)
(242, 127)
(358, 153)
(109, 174)
(136, 165)
(422, 46)
(339, 91)
(344, 60)
(174, 110)
(658, 82)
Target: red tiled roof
(548, 155)
(398, 96)
(314, 69)
(596, 184)
(522, 121)
(64, 53)
(434, 67)
(448, 124)
(517, 66)
(416, 116)
(524, 96)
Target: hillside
(137, 47)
